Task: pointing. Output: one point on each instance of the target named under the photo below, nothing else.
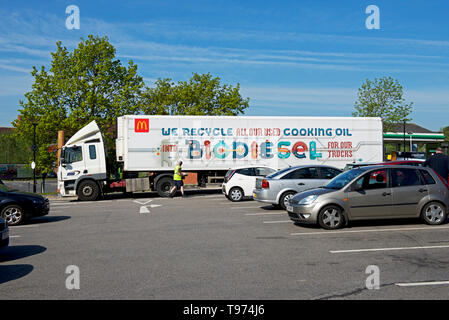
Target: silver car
(280, 186)
(374, 192)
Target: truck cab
(82, 168)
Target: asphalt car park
(206, 247)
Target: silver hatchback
(374, 192)
(280, 186)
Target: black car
(4, 234)
(16, 207)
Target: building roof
(4, 130)
(410, 128)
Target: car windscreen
(343, 179)
(278, 173)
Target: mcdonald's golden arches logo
(142, 125)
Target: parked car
(280, 186)
(417, 163)
(4, 234)
(16, 207)
(240, 182)
(374, 192)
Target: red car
(404, 162)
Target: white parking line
(282, 221)
(26, 226)
(429, 228)
(417, 284)
(252, 207)
(263, 214)
(14, 236)
(388, 249)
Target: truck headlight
(308, 200)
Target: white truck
(150, 146)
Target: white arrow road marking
(144, 209)
(142, 203)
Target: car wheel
(235, 194)
(164, 186)
(88, 191)
(434, 213)
(13, 214)
(331, 217)
(285, 199)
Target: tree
(80, 86)
(14, 149)
(445, 130)
(201, 95)
(383, 98)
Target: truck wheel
(88, 191)
(164, 186)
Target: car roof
(387, 166)
(247, 167)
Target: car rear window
(246, 171)
(263, 172)
(428, 179)
(329, 173)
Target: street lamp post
(34, 157)
(404, 139)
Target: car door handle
(386, 194)
(301, 184)
(422, 190)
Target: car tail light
(265, 184)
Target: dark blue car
(16, 207)
(4, 234)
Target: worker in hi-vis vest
(178, 175)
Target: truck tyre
(88, 190)
(164, 186)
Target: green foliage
(445, 130)
(383, 98)
(84, 85)
(14, 149)
(91, 84)
(201, 95)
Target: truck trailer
(149, 147)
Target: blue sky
(298, 58)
